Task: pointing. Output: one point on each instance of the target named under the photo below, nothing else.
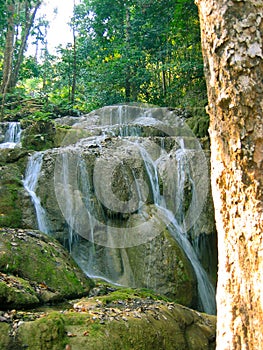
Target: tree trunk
(232, 33)
(9, 48)
(30, 13)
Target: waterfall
(68, 198)
(12, 135)
(30, 184)
(206, 293)
(13, 132)
(103, 220)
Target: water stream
(12, 135)
(30, 184)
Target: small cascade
(12, 135)
(206, 293)
(189, 198)
(152, 172)
(30, 184)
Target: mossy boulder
(38, 135)
(130, 322)
(12, 166)
(4, 335)
(15, 291)
(46, 270)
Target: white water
(68, 198)
(13, 132)
(206, 292)
(12, 135)
(30, 184)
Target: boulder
(12, 193)
(120, 320)
(36, 269)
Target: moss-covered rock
(41, 261)
(38, 135)
(199, 125)
(4, 335)
(15, 291)
(12, 165)
(163, 266)
(126, 323)
(44, 333)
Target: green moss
(4, 335)
(16, 292)
(12, 165)
(199, 125)
(42, 261)
(132, 334)
(44, 333)
(129, 294)
(10, 211)
(160, 328)
(38, 135)
(77, 319)
(66, 135)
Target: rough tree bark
(232, 33)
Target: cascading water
(13, 132)
(87, 190)
(206, 293)
(12, 135)
(30, 183)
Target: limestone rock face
(147, 256)
(35, 268)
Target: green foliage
(37, 116)
(199, 125)
(29, 68)
(124, 51)
(139, 52)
